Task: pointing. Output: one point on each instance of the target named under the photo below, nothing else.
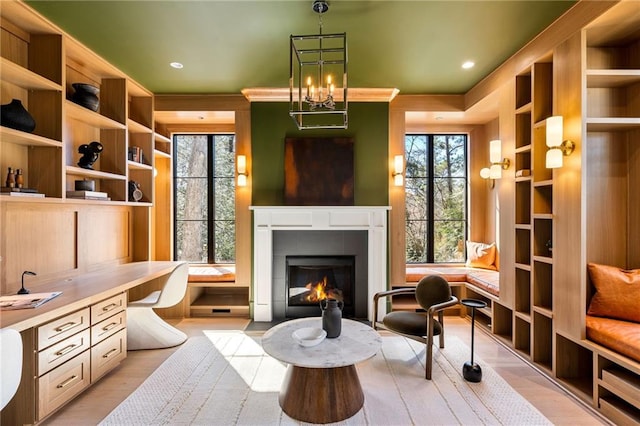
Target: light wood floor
(99, 400)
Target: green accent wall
(368, 126)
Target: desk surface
(83, 290)
(357, 342)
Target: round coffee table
(321, 384)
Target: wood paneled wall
(61, 239)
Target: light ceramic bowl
(309, 336)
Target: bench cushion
(617, 292)
(211, 273)
(619, 336)
(484, 279)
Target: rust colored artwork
(318, 172)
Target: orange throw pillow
(480, 255)
(617, 292)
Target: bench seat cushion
(489, 281)
(210, 273)
(484, 279)
(452, 275)
(619, 336)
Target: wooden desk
(80, 294)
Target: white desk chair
(10, 364)
(145, 329)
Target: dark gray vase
(86, 95)
(331, 317)
(15, 116)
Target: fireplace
(280, 231)
(312, 279)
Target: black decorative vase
(86, 95)
(331, 317)
(15, 116)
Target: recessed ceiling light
(468, 64)
(176, 65)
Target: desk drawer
(108, 307)
(55, 355)
(106, 328)
(107, 354)
(63, 383)
(57, 330)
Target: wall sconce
(398, 168)
(557, 148)
(241, 165)
(498, 164)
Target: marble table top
(357, 342)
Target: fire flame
(319, 291)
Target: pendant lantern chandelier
(318, 78)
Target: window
(204, 209)
(436, 198)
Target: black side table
(472, 371)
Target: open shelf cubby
(543, 237)
(542, 90)
(523, 202)
(574, 366)
(523, 159)
(542, 199)
(523, 291)
(523, 90)
(522, 336)
(543, 338)
(523, 246)
(523, 129)
(503, 322)
(543, 285)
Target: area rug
(225, 378)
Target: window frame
(430, 179)
(211, 196)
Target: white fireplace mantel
(267, 219)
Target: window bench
(475, 283)
(475, 278)
(212, 291)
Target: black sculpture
(89, 154)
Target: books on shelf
(19, 192)
(88, 195)
(8, 189)
(26, 301)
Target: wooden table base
(321, 395)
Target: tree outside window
(436, 198)
(204, 185)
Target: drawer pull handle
(109, 326)
(65, 327)
(109, 307)
(66, 350)
(66, 382)
(108, 354)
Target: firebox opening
(311, 279)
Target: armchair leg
(428, 363)
(441, 319)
